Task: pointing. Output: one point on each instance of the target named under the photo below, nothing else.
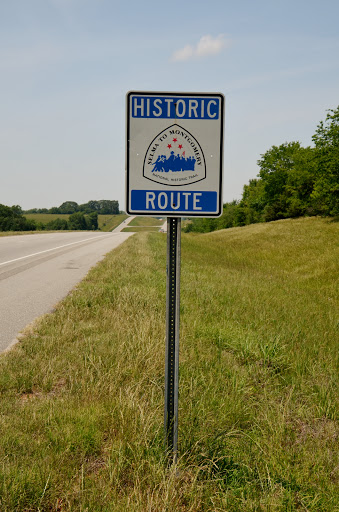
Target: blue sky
(66, 66)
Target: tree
(252, 203)
(228, 217)
(57, 224)
(288, 173)
(77, 221)
(11, 219)
(108, 207)
(300, 184)
(92, 221)
(68, 207)
(326, 188)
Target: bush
(11, 219)
(77, 221)
(57, 224)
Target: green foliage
(233, 215)
(12, 219)
(102, 207)
(228, 217)
(252, 203)
(37, 210)
(293, 182)
(287, 175)
(77, 221)
(92, 221)
(58, 221)
(56, 224)
(326, 188)
(68, 207)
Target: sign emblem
(174, 158)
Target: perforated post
(172, 336)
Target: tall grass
(82, 395)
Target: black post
(172, 336)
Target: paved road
(37, 271)
(124, 224)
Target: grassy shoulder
(137, 229)
(110, 222)
(16, 233)
(146, 222)
(82, 394)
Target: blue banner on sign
(173, 202)
(162, 107)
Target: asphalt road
(37, 271)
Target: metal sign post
(172, 337)
(174, 155)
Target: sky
(66, 66)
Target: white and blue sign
(174, 154)
(169, 107)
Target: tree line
(12, 217)
(102, 207)
(293, 181)
(76, 221)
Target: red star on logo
(169, 146)
(180, 146)
(175, 140)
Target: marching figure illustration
(174, 163)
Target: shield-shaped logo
(174, 158)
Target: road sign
(174, 154)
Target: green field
(106, 222)
(82, 394)
(46, 217)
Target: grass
(146, 222)
(110, 222)
(137, 229)
(15, 233)
(82, 394)
(46, 217)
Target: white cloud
(207, 45)
(184, 53)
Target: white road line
(49, 250)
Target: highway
(37, 271)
